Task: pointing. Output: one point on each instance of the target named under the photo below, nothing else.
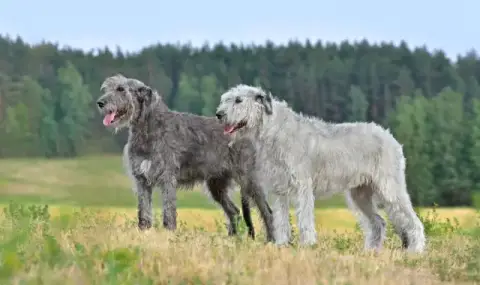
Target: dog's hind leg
(247, 216)
(393, 194)
(218, 188)
(260, 199)
(250, 188)
(360, 201)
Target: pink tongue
(108, 119)
(228, 129)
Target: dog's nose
(100, 104)
(219, 115)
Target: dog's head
(121, 98)
(242, 108)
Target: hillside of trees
(432, 105)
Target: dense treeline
(431, 105)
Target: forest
(430, 103)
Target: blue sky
(452, 26)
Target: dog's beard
(232, 139)
(123, 123)
(235, 127)
(244, 132)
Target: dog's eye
(238, 100)
(120, 89)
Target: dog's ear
(144, 93)
(266, 100)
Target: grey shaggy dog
(171, 149)
(304, 157)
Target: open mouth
(230, 129)
(112, 117)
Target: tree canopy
(431, 104)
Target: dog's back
(195, 143)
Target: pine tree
(75, 109)
(409, 125)
(358, 105)
(446, 146)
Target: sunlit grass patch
(65, 245)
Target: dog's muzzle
(220, 115)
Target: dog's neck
(269, 129)
(143, 110)
(139, 128)
(267, 122)
(141, 123)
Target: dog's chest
(139, 145)
(138, 157)
(140, 166)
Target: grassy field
(88, 235)
(89, 181)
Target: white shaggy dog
(301, 157)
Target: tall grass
(87, 235)
(93, 247)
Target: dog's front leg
(281, 219)
(166, 178)
(169, 199)
(144, 196)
